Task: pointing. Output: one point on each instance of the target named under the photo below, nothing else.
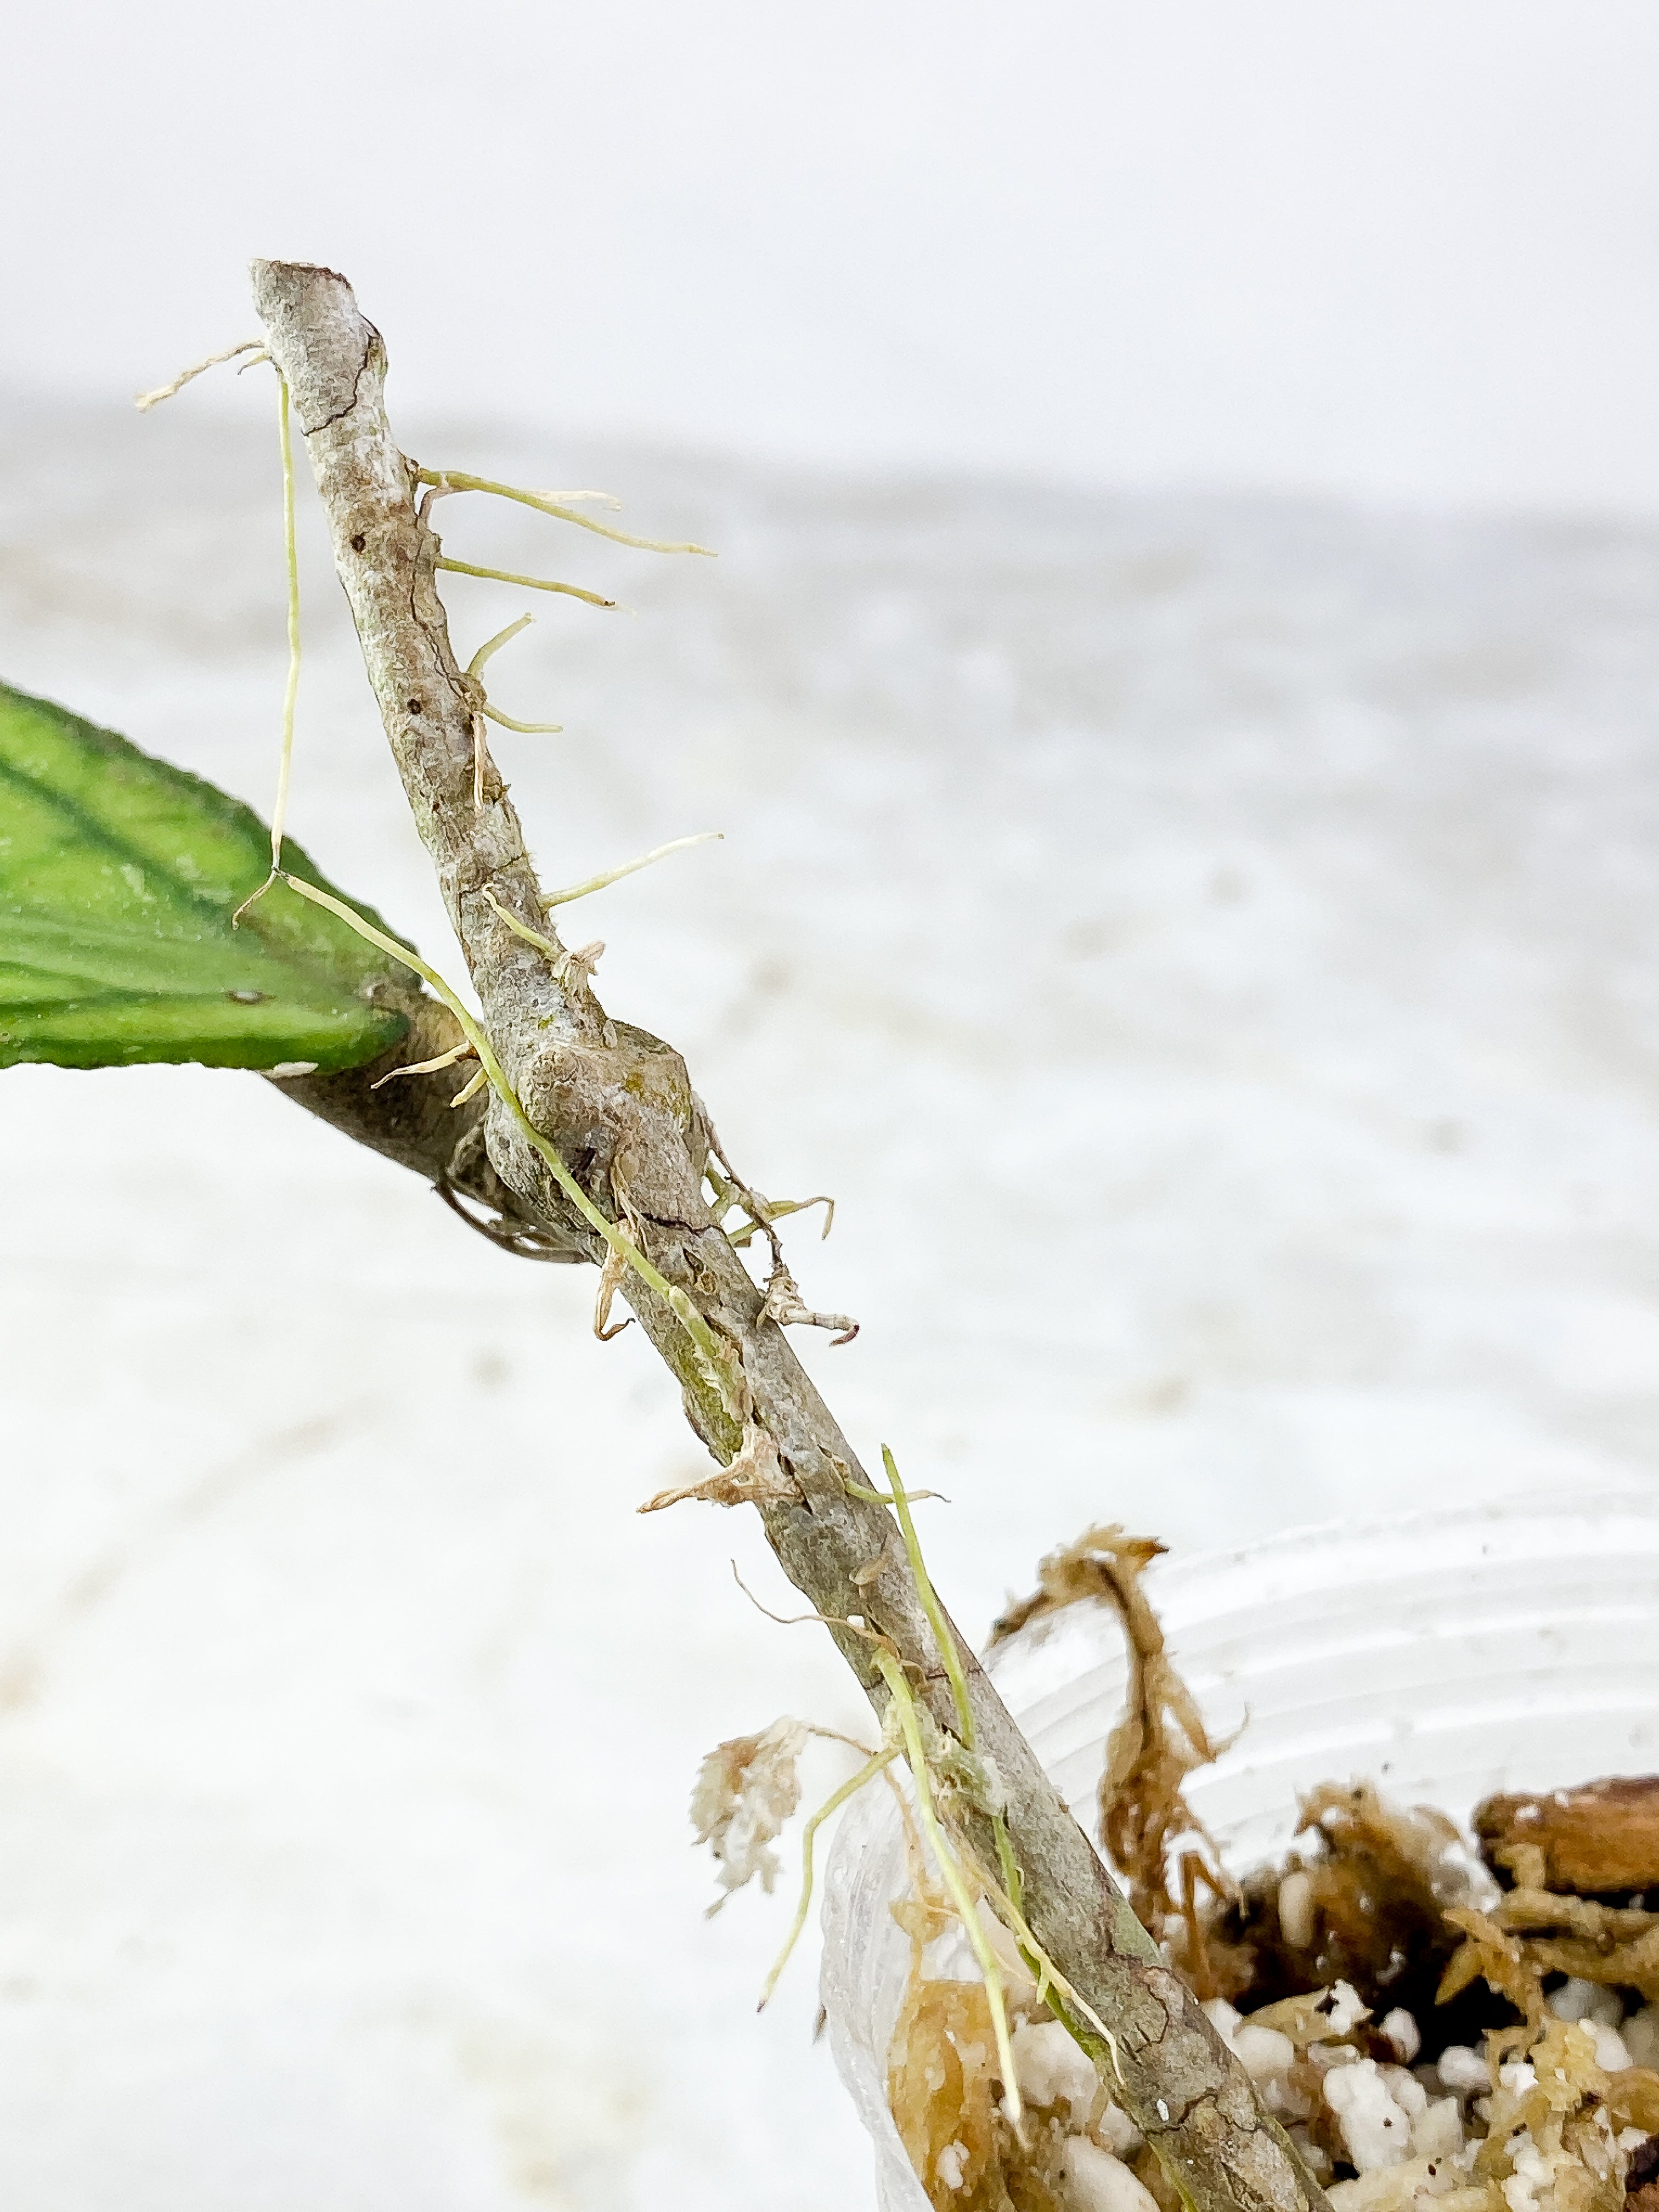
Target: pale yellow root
(529, 583)
(632, 868)
(463, 1051)
(291, 688)
(951, 1875)
(558, 504)
(871, 1767)
(474, 668)
(146, 400)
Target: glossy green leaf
(119, 877)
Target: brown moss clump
(1385, 1900)
(1364, 1900)
(1150, 1832)
(946, 2093)
(946, 2098)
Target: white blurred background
(1179, 689)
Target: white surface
(1397, 247)
(1207, 950)
(1442, 1657)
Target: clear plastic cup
(1442, 1657)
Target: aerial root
(854, 1627)
(777, 1209)
(521, 1239)
(492, 645)
(554, 952)
(629, 867)
(557, 504)
(611, 1281)
(146, 400)
(479, 702)
(291, 688)
(730, 1189)
(782, 1303)
(529, 583)
(754, 1476)
(525, 729)
(951, 1872)
(457, 1052)
(579, 963)
(871, 1767)
(704, 1339)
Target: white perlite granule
(1376, 2128)
(1408, 2134)
(1296, 1910)
(1348, 2009)
(1051, 2067)
(1463, 2071)
(1579, 2000)
(1533, 2171)
(1263, 2052)
(1097, 2182)
(1403, 2033)
(1641, 2034)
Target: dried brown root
(1161, 1740)
(746, 1790)
(1627, 1965)
(783, 1304)
(612, 1275)
(757, 1476)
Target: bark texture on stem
(411, 1120)
(619, 1107)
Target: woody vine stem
(600, 1148)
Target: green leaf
(119, 877)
